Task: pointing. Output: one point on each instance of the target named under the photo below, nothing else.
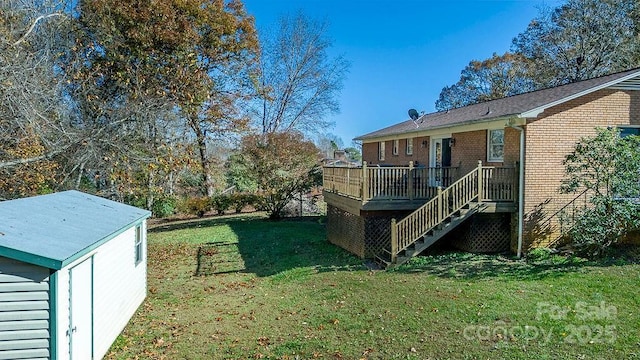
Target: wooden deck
(408, 188)
(437, 198)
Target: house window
(629, 131)
(410, 146)
(138, 245)
(396, 145)
(495, 145)
(381, 151)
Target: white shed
(72, 273)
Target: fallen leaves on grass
(159, 342)
(263, 341)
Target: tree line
(142, 100)
(578, 40)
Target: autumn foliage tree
(195, 57)
(128, 98)
(282, 164)
(577, 40)
(493, 78)
(34, 131)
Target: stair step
(382, 263)
(433, 235)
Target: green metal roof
(54, 230)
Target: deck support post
(394, 241)
(480, 182)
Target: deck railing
(343, 180)
(368, 183)
(499, 183)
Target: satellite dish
(413, 114)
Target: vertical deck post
(394, 241)
(480, 182)
(440, 204)
(410, 180)
(365, 182)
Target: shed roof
(54, 230)
(527, 105)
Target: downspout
(520, 190)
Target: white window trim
(138, 245)
(409, 150)
(381, 151)
(489, 158)
(396, 145)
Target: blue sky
(402, 53)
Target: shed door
(81, 311)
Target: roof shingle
(511, 106)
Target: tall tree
(34, 130)
(197, 56)
(493, 78)
(578, 40)
(300, 81)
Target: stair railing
(448, 201)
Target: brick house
(508, 153)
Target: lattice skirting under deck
(365, 235)
(484, 233)
(345, 230)
(368, 234)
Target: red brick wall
(370, 152)
(471, 146)
(420, 153)
(549, 139)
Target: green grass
(280, 291)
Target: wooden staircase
(384, 260)
(429, 223)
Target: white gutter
(520, 190)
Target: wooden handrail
(435, 211)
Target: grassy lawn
(278, 290)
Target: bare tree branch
(16, 162)
(33, 25)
